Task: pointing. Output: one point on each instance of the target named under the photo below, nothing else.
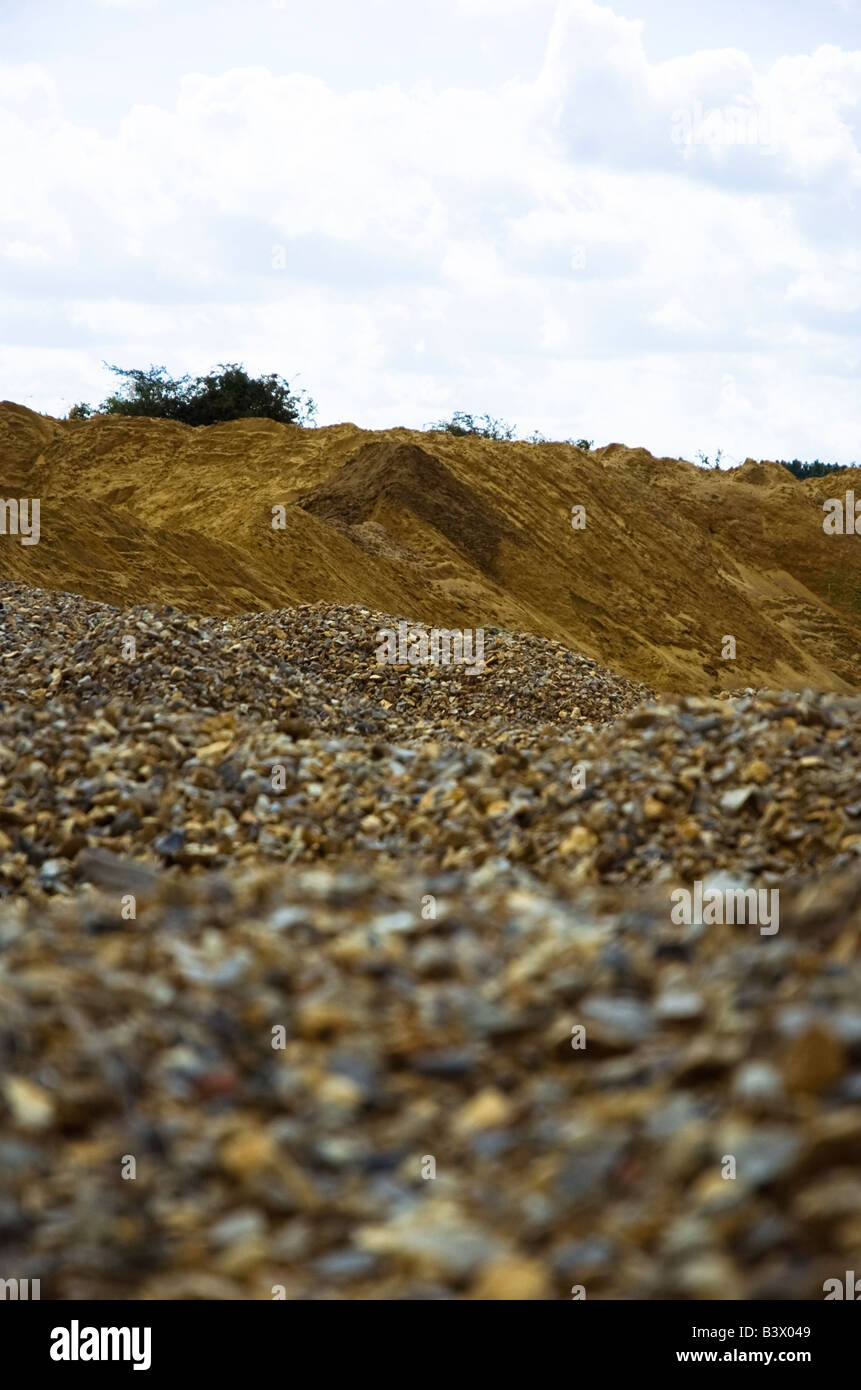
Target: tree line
(228, 392)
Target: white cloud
(542, 249)
(25, 253)
(128, 4)
(19, 84)
(676, 316)
(495, 7)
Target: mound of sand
(452, 531)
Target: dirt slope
(466, 532)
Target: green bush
(226, 393)
(482, 426)
(486, 427)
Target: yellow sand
(463, 532)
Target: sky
(635, 222)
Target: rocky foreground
(337, 980)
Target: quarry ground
(322, 977)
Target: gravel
(324, 979)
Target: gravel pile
(763, 788)
(528, 682)
(316, 664)
(193, 741)
(296, 951)
(321, 1087)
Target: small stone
(814, 1060)
(317, 1018)
(579, 1260)
(170, 845)
(512, 1278)
(756, 1083)
(580, 840)
(237, 1228)
(710, 1275)
(446, 1062)
(247, 1152)
(756, 771)
(835, 1197)
(490, 1109)
(679, 1006)
(344, 1266)
(436, 1240)
(31, 1106)
(735, 799)
(762, 1153)
(617, 1020)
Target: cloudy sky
(635, 223)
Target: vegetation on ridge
(814, 469)
(226, 393)
(462, 423)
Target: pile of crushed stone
(310, 668)
(763, 788)
(526, 682)
(419, 886)
(362, 1084)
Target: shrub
(486, 427)
(226, 393)
(483, 426)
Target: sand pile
(453, 531)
